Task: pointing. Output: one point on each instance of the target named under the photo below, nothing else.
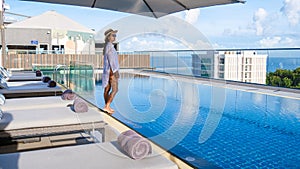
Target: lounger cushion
(25, 83)
(91, 156)
(29, 89)
(23, 76)
(34, 102)
(47, 116)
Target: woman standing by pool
(110, 74)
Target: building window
(248, 60)
(222, 61)
(205, 67)
(205, 60)
(247, 75)
(221, 75)
(248, 68)
(221, 67)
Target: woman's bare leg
(106, 92)
(114, 89)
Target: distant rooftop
(51, 20)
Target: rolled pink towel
(51, 83)
(68, 95)
(134, 145)
(46, 79)
(38, 73)
(80, 106)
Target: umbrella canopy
(152, 8)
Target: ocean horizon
(273, 63)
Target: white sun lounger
(40, 119)
(25, 83)
(30, 89)
(19, 76)
(23, 76)
(91, 156)
(34, 102)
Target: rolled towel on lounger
(38, 73)
(68, 95)
(51, 83)
(46, 79)
(80, 106)
(134, 145)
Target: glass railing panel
(158, 61)
(241, 65)
(203, 63)
(184, 62)
(281, 68)
(81, 78)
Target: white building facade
(243, 66)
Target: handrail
(211, 49)
(59, 66)
(56, 69)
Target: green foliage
(284, 78)
(287, 82)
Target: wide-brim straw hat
(109, 31)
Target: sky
(255, 24)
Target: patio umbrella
(151, 8)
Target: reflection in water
(290, 108)
(259, 99)
(215, 114)
(125, 107)
(186, 117)
(274, 112)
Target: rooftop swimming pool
(210, 125)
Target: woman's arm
(112, 58)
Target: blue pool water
(210, 126)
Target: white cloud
(259, 18)
(191, 16)
(270, 41)
(278, 41)
(145, 43)
(288, 41)
(291, 9)
(217, 46)
(260, 25)
(134, 39)
(200, 44)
